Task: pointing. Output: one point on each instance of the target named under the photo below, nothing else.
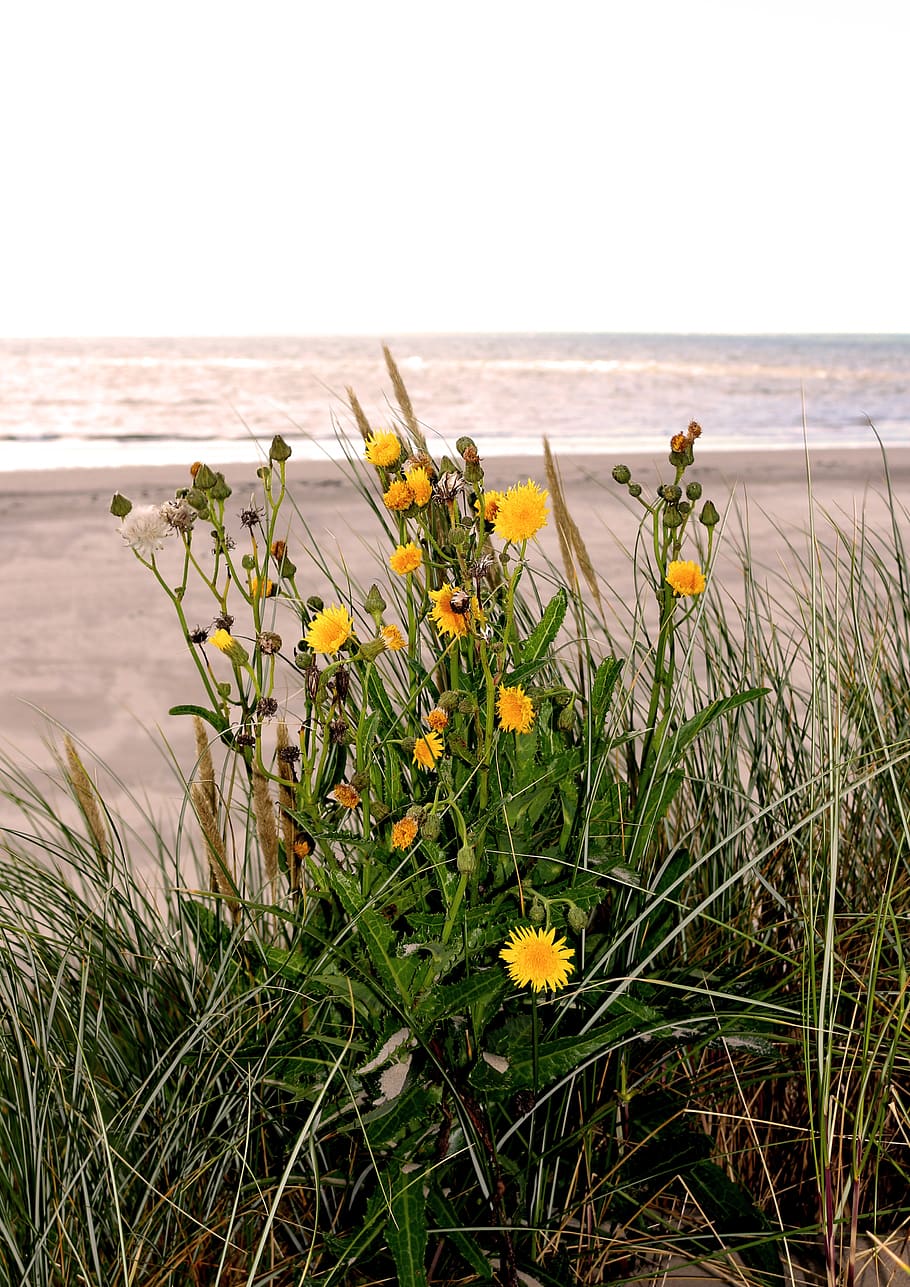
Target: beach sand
(90, 642)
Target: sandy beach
(90, 642)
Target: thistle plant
(451, 839)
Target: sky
(343, 167)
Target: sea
(74, 403)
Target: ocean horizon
(112, 402)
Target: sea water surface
(68, 403)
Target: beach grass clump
(521, 945)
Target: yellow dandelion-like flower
(382, 448)
(394, 639)
(301, 848)
(521, 513)
(421, 488)
(345, 794)
(427, 750)
(225, 642)
(330, 629)
(438, 719)
(515, 709)
(685, 576)
(261, 588)
(533, 958)
(404, 833)
(406, 558)
(455, 610)
(399, 496)
(491, 503)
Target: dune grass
(308, 1061)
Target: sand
(91, 644)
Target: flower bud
(198, 500)
(370, 649)
(120, 506)
(204, 478)
(247, 562)
(538, 913)
(672, 516)
(220, 490)
(577, 919)
(458, 537)
(709, 515)
(566, 721)
(431, 827)
(360, 781)
(230, 646)
(374, 604)
(465, 445)
(693, 491)
(473, 471)
(622, 474)
(314, 603)
(279, 449)
(635, 489)
(669, 492)
(380, 810)
(467, 705)
(448, 701)
(466, 861)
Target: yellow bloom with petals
(225, 642)
(404, 833)
(421, 488)
(382, 449)
(685, 576)
(399, 496)
(522, 512)
(394, 639)
(515, 709)
(427, 750)
(491, 502)
(330, 629)
(438, 719)
(347, 795)
(455, 611)
(258, 587)
(406, 558)
(533, 958)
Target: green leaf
(395, 972)
(481, 989)
(406, 1231)
(605, 678)
(543, 634)
(215, 718)
(554, 1058)
(407, 1113)
(448, 1223)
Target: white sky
(329, 166)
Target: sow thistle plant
(450, 832)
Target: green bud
(465, 444)
(635, 489)
(669, 492)
(622, 473)
(537, 913)
(566, 721)
(314, 603)
(198, 500)
(448, 701)
(287, 568)
(467, 704)
(248, 563)
(459, 537)
(417, 813)
(372, 648)
(204, 479)
(561, 696)
(577, 919)
(120, 506)
(279, 449)
(693, 491)
(220, 489)
(224, 690)
(264, 473)
(473, 472)
(672, 516)
(681, 459)
(374, 604)
(466, 861)
(684, 507)
(431, 827)
(360, 781)
(709, 515)
(380, 810)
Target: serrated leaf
(406, 1232)
(605, 678)
(447, 1220)
(554, 1058)
(395, 972)
(387, 1123)
(458, 998)
(546, 630)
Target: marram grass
(508, 960)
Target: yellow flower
(438, 719)
(301, 848)
(403, 833)
(382, 449)
(455, 610)
(225, 642)
(491, 502)
(406, 558)
(399, 496)
(330, 629)
(345, 794)
(515, 709)
(522, 512)
(427, 750)
(394, 639)
(532, 957)
(257, 587)
(419, 482)
(685, 577)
